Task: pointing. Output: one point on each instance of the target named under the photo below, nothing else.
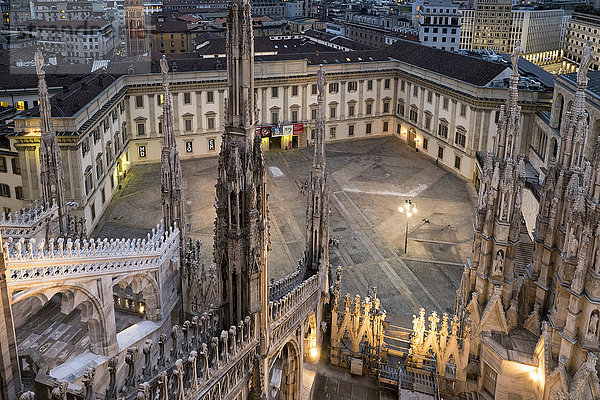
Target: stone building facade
(116, 120)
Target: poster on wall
(288, 130)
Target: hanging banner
(298, 129)
(276, 131)
(288, 130)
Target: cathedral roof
(593, 85)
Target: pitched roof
(462, 67)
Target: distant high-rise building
(135, 27)
(581, 30)
(492, 25)
(438, 22)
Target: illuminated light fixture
(314, 352)
(142, 308)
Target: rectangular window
(313, 114)
(457, 162)
(463, 110)
(19, 192)
(189, 146)
(294, 115)
(187, 98)
(85, 147)
(351, 130)
(369, 85)
(96, 134)
(3, 165)
(160, 99)
(386, 107)
(445, 103)
(414, 115)
(188, 125)
(385, 126)
(210, 97)
(89, 183)
(141, 128)
(93, 211)
(427, 121)
(352, 86)
(497, 117)
(443, 130)
(4, 190)
(440, 152)
(294, 90)
(274, 92)
(334, 87)
(274, 117)
(314, 89)
(351, 110)
(386, 84)
(369, 108)
(139, 101)
(99, 169)
(102, 195)
(211, 144)
(415, 91)
(398, 128)
(16, 166)
(429, 96)
(210, 122)
(332, 112)
(460, 138)
(332, 132)
(160, 129)
(369, 128)
(142, 151)
(425, 143)
(403, 86)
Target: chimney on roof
(59, 102)
(83, 86)
(101, 80)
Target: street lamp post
(409, 208)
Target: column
(361, 98)
(378, 97)
(286, 107)
(151, 122)
(176, 114)
(220, 120)
(263, 108)
(199, 116)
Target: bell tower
(135, 27)
(241, 226)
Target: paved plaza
(369, 179)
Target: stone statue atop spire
(51, 169)
(170, 165)
(317, 210)
(586, 61)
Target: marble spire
(317, 208)
(51, 169)
(170, 165)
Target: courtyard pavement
(368, 179)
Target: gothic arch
(80, 297)
(145, 284)
(289, 363)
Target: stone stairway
(524, 252)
